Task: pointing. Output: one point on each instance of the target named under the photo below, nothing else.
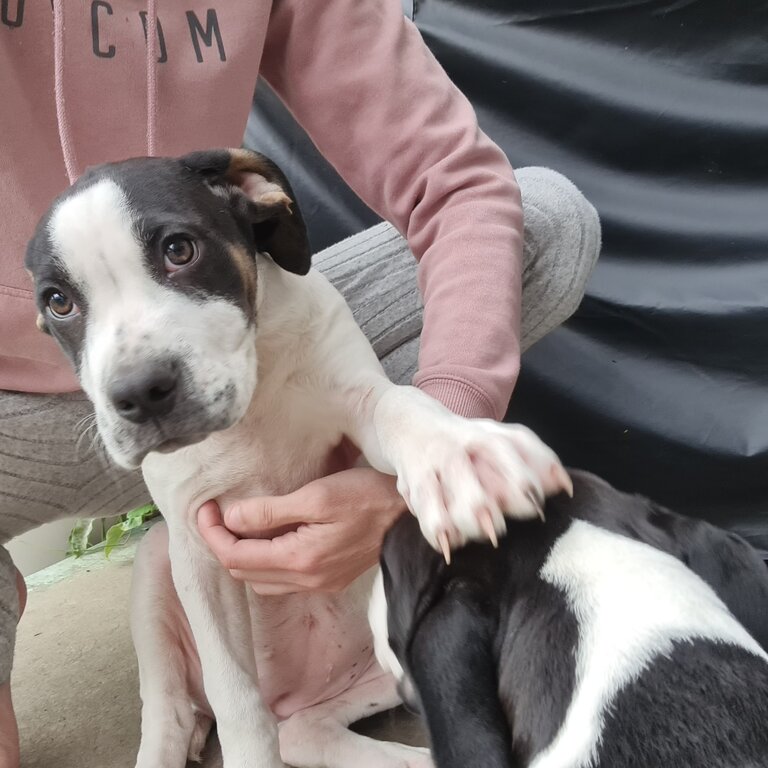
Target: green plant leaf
(116, 536)
(131, 522)
(142, 513)
(77, 543)
(113, 538)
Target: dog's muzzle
(157, 405)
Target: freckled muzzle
(156, 406)
(167, 370)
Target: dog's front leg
(460, 477)
(217, 609)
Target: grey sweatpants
(52, 466)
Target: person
(449, 290)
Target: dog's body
(589, 640)
(179, 289)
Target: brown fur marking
(246, 266)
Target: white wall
(41, 547)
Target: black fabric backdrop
(659, 112)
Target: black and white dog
(222, 364)
(616, 634)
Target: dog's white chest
(275, 449)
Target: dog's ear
(260, 193)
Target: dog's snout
(146, 393)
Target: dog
(616, 634)
(217, 360)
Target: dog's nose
(146, 393)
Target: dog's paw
(462, 478)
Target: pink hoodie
(80, 86)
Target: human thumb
(263, 516)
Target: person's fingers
(243, 554)
(299, 561)
(211, 526)
(269, 577)
(268, 590)
(262, 515)
(321, 537)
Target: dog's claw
(535, 499)
(486, 523)
(563, 479)
(445, 546)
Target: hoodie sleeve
(358, 77)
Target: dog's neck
(258, 453)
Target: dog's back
(588, 640)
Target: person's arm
(361, 81)
(358, 77)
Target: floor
(75, 680)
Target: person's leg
(562, 243)
(51, 466)
(376, 272)
(13, 595)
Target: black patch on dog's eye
(214, 271)
(50, 277)
(169, 203)
(69, 331)
(261, 198)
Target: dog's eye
(178, 252)
(60, 304)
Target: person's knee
(11, 601)
(562, 244)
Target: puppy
(225, 367)
(616, 634)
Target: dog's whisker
(85, 433)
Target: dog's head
(145, 274)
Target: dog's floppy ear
(264, 197)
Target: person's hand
(318, 538)
(9, 732)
